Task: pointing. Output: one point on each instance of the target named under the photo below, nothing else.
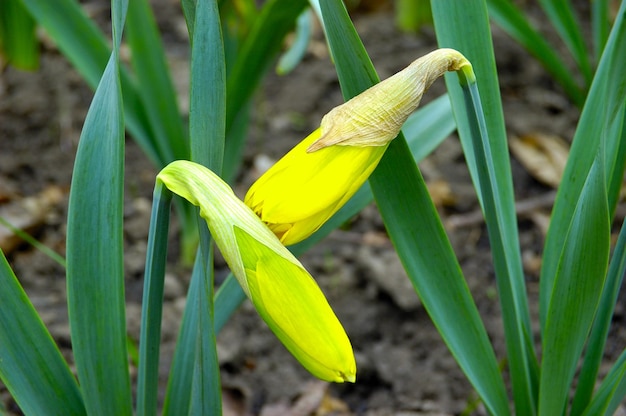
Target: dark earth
(403, 366)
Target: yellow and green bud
(280, 288)
(297, 195)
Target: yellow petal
(303, 190)
(302, 319)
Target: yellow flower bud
(318, 176)
(280, 288)
(303, 190)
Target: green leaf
(154, 83)
(408, 211)
(152, 303)
(600, 26)
(207, 107)
(227, 299)
(561, 14)
(206, 393)
(597, 339)
(513, 21)
(151, 114)
(600, 124)
(18, 40)
(599, 333)
(207, 118)
(95, 270)
(578, 283)
(194, 384)
(189, 11)
(262, 44)
(290, 59)
(611, 392)
(178, 393)
(77, 37)
(276, 19)
(600, 132)
(411, 15)
(31, 365)
(85, 46)
(487, 155)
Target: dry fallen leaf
(27, 214)
(544, 156)
(441, 193)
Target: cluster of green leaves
(565, 22)
(578, 288)
(142, 100)
(231, 45)
(152, 117)
(583, 56)
(577, 291)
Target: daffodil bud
(318, 176)
(280, 288)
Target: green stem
(206, 392)
(152, 302)
(181, 374)
(522, 361)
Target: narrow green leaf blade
(561, 14)
(31, 365)
(194, 384)
(207, 118)
(206, 393)
(189, 11)
(95, 272)
(18, 42)
(179, 385)
(486, 152)
(600, 26)
(262, 44)
(435, 273)
(594, 352)
(86, 48)
(154, 82)
(293, 56)
(152, 303)
(611, 392)
(276, 19)
(579, 279)
(207, 107)
(77, 37)
(408, 212)
(513, 21)
(227, 299)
